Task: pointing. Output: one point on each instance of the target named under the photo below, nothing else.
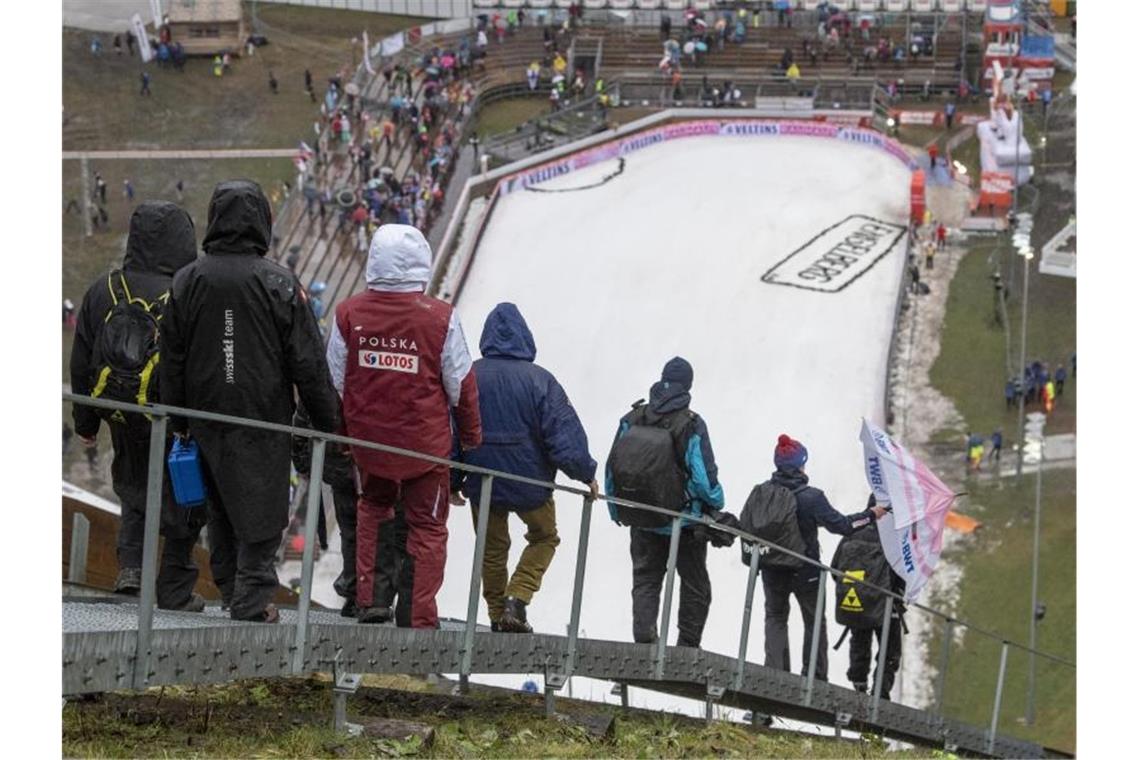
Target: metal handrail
(162, 411)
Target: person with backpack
(860, 608)
(529, 429)
(788, 512)
(662, 456)
(239, 338)
(113, 357)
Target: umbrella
(318, 287)
(911, 533)
(386, 170)
(352, 89)
(702, 47)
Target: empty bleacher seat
(595, 4)
(867, 6)
(897, 6)
(951, 6)
(975, 5)
(621, 5)
(676, 5)
(648, 5)
(922, 6)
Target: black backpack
(770, 513)
(647, 465)
(125, 355)
(860, 556)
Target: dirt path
(206, 153)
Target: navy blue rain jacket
(529, 426)
(814, 511)
(705, 491)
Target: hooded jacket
(703, 487)
(409, 365)
(159, 243)
(529, 425)
(239, 338)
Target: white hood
(398, 259)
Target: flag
(143, 38)
(367, 54)
(392, 44)
(911, 533)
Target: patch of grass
(289, 717)
(995, 592)
(195, 109)
(504, 115)
(972, 366)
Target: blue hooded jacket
(529, 426)
(704, 489)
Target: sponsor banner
(139, 29)
(392, 362)
(733, 128)
(392, 44)
(838, 256)
(921, 118)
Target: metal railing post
(316, 471)
(476, 576)
(155, 473)
(746, 623)
(947, 638)
(667, 602)
(815, 632)
(881, 665)
(579, 582)
(997, 696)
(77, 562)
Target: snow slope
(667, 259)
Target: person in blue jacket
(529, 429)
(649, 547)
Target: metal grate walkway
(99, 640)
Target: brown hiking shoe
(129, 581)
(514, 617)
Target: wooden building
(206, 27)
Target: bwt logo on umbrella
(838, 256)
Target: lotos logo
(389, 361)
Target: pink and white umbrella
(911, 533)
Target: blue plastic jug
(186, 473)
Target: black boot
(349, 608)
(129, 581)
(514, 617)
(375, 615)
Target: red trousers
(425, 505)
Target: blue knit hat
(790, 453)
(679, 371)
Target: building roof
(183, 11)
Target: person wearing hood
(240, 339)
(692, 458)
(160, 242)
(529, 429)
(407, 374)
(813, 511)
